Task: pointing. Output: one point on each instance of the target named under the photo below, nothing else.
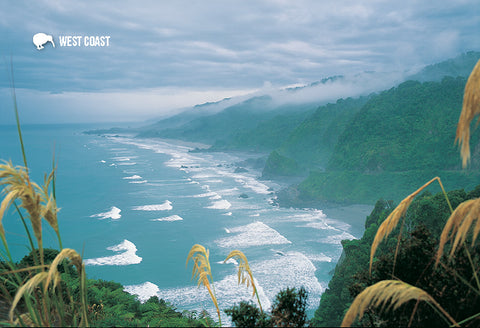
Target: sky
(167, 55)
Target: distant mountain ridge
(362, 138)
(461, 65)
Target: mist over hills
(342, 130)
(461, 65)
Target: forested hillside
(414, 265)
(410, 127)
(313, 140)
(461, 65)
(255, 124)
(398, 137)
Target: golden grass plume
(74, 257)
(470, 109)
(390, 293)
(392, 220)
(34, 199)
(202, 271)
(243, 268)
(27, 288)
(460, 222)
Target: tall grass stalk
(39, 299)
(398, 213)
(243, 268)
(470, 109)
(202, 271)
(390, 294)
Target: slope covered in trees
(255, 124)
(398, 137)
(414, 264)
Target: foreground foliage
(288, 310)
(414, 264)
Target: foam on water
(229, 192)
(207, 194)
(227, 290)
(127, 257)
(143, 291)
(170, 218)
(229, 261)
(320, 225)
(336, 239)
(214, 181)
(220, 205)
(123, 158)
(253, 184)
(202, 176)
(319, 257)
(286, 267)
(293, 269)
(166, 206)
(113, 214)
(141, 181)
(133, 177)
(253, 234)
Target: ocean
(134, 208)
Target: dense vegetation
(266, 135)
(278, 165)
(398, 137)
(414, 121)
(313, 141)
(461, 65)
(414, 264)
(288, 310)
(108, 304)
(255, 124)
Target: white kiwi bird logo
(40, 39)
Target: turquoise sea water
(135, 207)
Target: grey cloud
(233, 44)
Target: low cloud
(113, 106)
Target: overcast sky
(164, 55)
